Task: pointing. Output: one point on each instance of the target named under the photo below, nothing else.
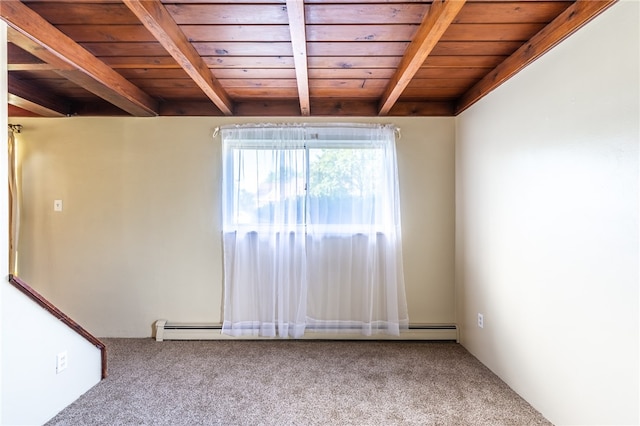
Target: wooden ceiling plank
(357, 48)
(189, 108)
(95, 107)
(178, 93)
(263, 92)
(249, 61)
(433, 26)
(84, 13)
(268, 108)
(356, 73)
(491, 32)
(257, 83)
(295, 11)
(183, 83)
(174, 83)
(483, 48)
(344, 107)
(362, 33)
(340, 14)
(107, 33)
(568, 22)
(153, 73)
(227, 14)
(352, 83)
(432, 93)
(511, 12)
(463, 61)
(46, 42)
(235, 48)
(451, 73)
(341, 62)
(153, 62)
(329, 92)
(119, 49)
(254, 73)
(159, 22)
(441, 83)
(431, 109)
(31, 98)
(259, 33)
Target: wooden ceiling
(274, 57)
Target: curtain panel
(14, 201)
(311, 230)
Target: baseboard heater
(203, 331)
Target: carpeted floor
(296, 383)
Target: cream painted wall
(139, 235)
(547, 226)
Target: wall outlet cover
(61, 362)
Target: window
(293, 198)
(337, 186)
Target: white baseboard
(207, 331)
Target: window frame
(305, 145)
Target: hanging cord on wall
(15, 128)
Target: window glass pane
(268, 186)
(334, 187)
(345, 185)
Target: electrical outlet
(480, 320)
(61, 362)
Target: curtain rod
(216, 131)
(15, 128)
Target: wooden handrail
(48, 306)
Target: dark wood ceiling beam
(88, 81)
(30, 67)
(46, 42)
(29, 97)
(321, 108)
(568, 22)
(35, 108)
(434, 24)
(295, 10)
(422, 109)
(157, 19)
(37, 50)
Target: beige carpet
(296, 383)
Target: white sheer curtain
(264, 237)
(312, 235)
